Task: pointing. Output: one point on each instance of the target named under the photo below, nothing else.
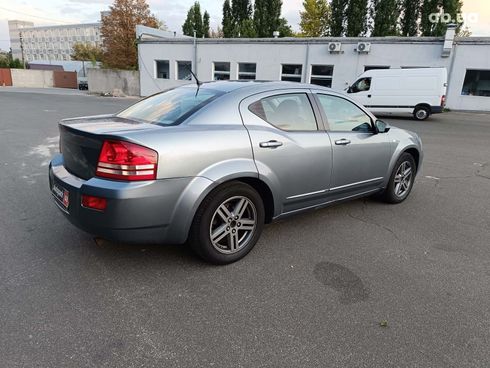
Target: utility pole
(22, 49)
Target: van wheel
(421, 112)
(228, 223)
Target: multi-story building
(49, 43)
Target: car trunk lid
(81, 140)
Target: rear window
(170, 107)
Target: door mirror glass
(381, 126)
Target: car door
(360, 155)
(291, 150)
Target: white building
(49, 43)
(335, 62)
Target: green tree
(196, 22)
(356, 17)
(385, 14)
(284, 28)
(246, 29)
(315, 18)
(267, 17)
(205, 25)
(118, 32)
(437, 14)
(86, 52)
(227, 22)
(337, 20)
(410, 14)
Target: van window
(343, 115)
(363, 84)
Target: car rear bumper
(141, 211)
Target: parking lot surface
(361, 284)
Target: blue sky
(46, 12)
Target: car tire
(421, 112)
(401, 180)
(228, 223)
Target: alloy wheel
(403, 179)
(233, 224)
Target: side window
(343, 115)
(363, 84)
(290, 111)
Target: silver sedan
(211, 164)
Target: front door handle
(369, 96)
(270, 144)
(342, 142)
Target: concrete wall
(269, 54)
(107, 80)
(32, 78)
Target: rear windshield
(170, 107)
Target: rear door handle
(369, 96)
(342, 142)
(270, 144)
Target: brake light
(443, 100)
(95, 203)
(126, 161)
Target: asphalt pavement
(361, 284)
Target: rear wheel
(401, 180)
(228, 223)
(421, 112)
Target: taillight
(126, 161)
(443, 100)
(95, 203)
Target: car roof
(256, 86)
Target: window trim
(156, 69)
(320, 127)
(246, 73)
(324, 117)
(463, 84)
(177, 68)
(300, 75)
(221, 72)
(319, 76)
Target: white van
(418, 91)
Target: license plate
(62, 195)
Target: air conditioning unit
(335, 46)
(363, 47)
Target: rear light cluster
(126, 161)
(443, 100)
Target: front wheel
(401, 180)
(228, 223)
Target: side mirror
(381, 126)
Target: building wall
(50, 43)
(32, 78)
(15, 27)
(107, 80)
(270, 54)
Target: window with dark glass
(322, 75)
(476, 83)
(291, 72)
(183, 70)
(162, 69)
(246, 70)
(292, 111)
(374, 67)
(221, 70)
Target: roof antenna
(198, 82)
